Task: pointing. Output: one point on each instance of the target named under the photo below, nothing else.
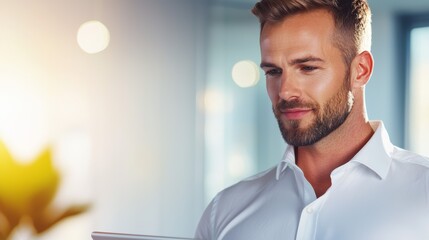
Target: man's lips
(295, 113)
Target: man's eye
(308, 68)
(273, 72)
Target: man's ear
(362, 67)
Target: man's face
(307, 80)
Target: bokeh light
(239, 165)
(93, 37)
(214, 101)
(245, 73)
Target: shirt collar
(376, 154)
(287, 160)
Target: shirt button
(309, 210)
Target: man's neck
(317, 161)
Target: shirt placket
(307, 225)
(308, 222)
(310, 214)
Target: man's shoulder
(411, 159)
(250, 186)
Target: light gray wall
(386, 90)
(383, 92)
(149, 167)
(135, 103)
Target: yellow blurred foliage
(27, 191)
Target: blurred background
(150, 107)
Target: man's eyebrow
(304, 60)
(267, 64)
(293, 62)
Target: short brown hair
(352, 20)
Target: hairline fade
(352, 19)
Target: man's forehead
(311, 20)
(299, 31)
(300, 39)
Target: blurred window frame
(406, 23)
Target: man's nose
(289, 88)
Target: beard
(328, 117)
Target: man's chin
(297, 135)
(297, 125)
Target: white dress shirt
(382, 193)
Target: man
(340, 178)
